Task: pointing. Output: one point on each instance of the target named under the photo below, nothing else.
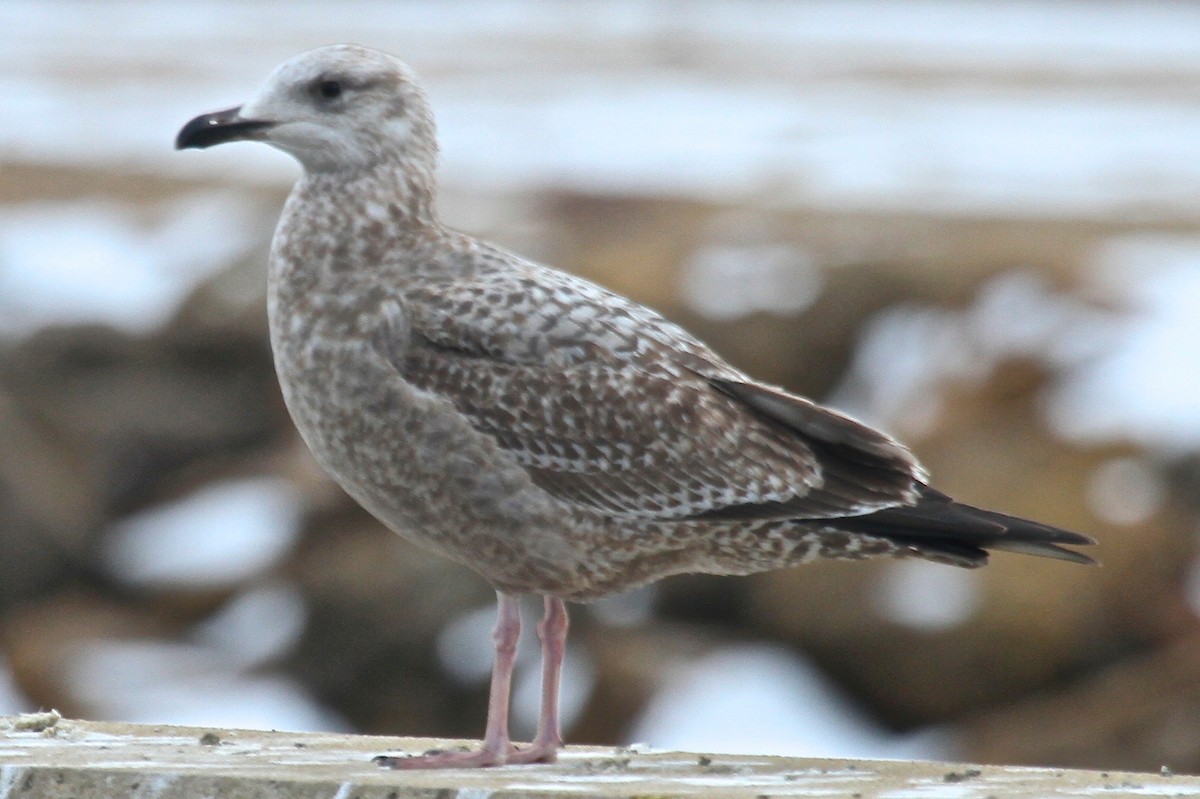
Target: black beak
(218, 128)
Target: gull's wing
(613, 408)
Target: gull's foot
(469, 758)
(534, 753)
(441, 758)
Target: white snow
(1145, 387)
(727, 281)
(1126, 491)
(1027, 116)
(11, 700)
(221, 534)
(465, 650)
(760, 699)
(908, 353)
(1126, 368)
(167, 682)
(255, 627)
(93, 261)
(956, 149)
(927, 596)
(627, 609)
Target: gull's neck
(340, 223)
(397, 193)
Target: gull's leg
(553, 632)
(496, 746)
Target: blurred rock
(1140, 714)
(376, 606)
(229, 308)
(48, 507)
(135, 411)
(42, 639)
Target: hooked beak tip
(207, 130)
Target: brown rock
(1141, 713)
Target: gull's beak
(218, 128)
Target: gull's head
(334, 108)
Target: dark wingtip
(217, 128)
(937, 525)
(1035, 538)
(1044, 550)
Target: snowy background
(1080, 116)
(1086, 112)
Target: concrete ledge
(44, 756)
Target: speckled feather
(554, 436)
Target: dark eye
(329, 89)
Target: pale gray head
(341, 107)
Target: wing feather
(613, 408)
(641, 446)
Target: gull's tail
(941, 529)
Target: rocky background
(973, 224)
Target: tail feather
(944, 529)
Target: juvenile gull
(555, 437)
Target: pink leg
(496, 747)
(553, 633)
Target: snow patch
(255, 627)
(64, 263)
(1145, 386)
(765, 700)
(221, 534)
(1126, 491)
(166, 682)
(927, 596)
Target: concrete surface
(43, 755)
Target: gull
(555, 437)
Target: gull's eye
(329, 89)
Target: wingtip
(1047, 550)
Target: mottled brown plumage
(553, 436)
